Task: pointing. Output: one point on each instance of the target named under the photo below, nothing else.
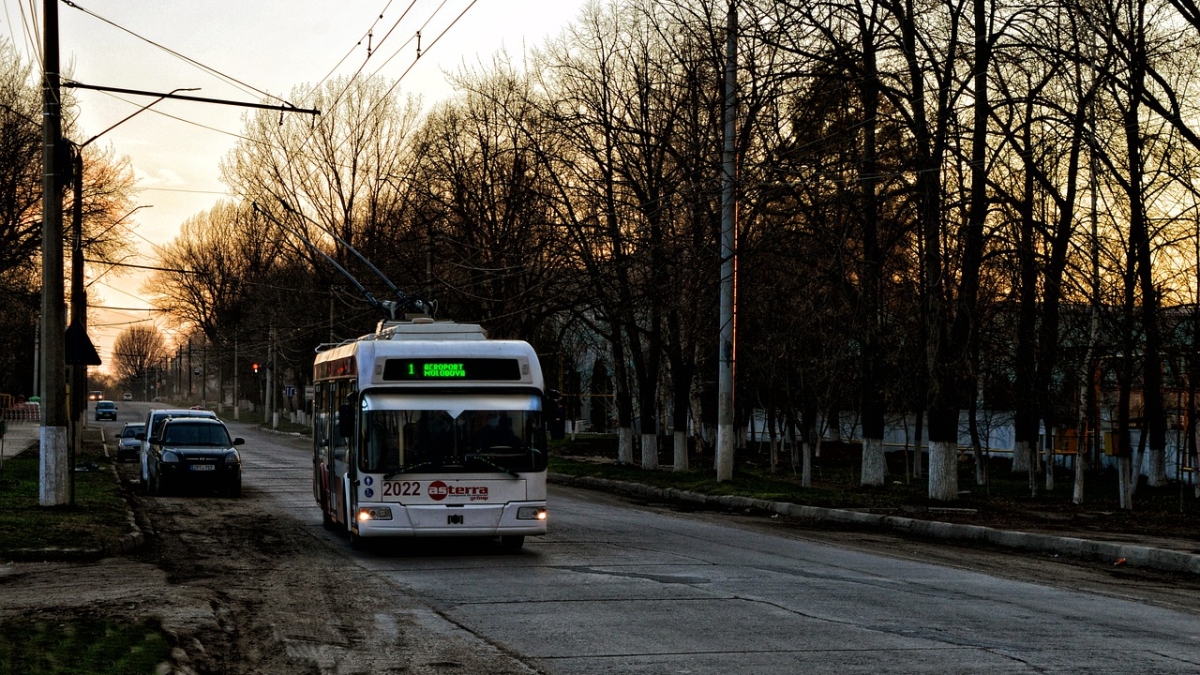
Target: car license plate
(204, 467)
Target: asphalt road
(620, 588)
(615, 587)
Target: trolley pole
(54, 466)
(728, 342)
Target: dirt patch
(241, 591)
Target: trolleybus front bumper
(450, 520)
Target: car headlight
(170, 456)
(374, 513)
(531, 513)
(232, 457)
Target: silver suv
(154, 420)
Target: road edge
(1132, 555)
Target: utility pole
(725, 380)
(53, 467)
(204, 377)
(80, 352)
(189, 369)
(270, 393)
(237, 406)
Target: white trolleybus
(430, 429)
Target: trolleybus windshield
(403, 434)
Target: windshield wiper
(397, 470)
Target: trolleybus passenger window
(343, 422)
(320, 418)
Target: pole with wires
(53, 466)
(725, 381)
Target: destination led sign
(452, 369)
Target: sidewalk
(1165, 554)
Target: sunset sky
(269, 45)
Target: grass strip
(98, 516)
(81, 647)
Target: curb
(134, 538)
(1135, 556)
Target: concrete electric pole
(726, 443)
(54, 466)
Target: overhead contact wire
(245, 87)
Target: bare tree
(482, 175)
(20, 160)
(136, 350)
(325, 178)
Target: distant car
(127, 396)
(196, 451)
(95, 395)
(106, 410)
(128, 445)
(154, 420)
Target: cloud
(161, 177)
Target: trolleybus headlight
(374, 513)
(531, 513)
(170, 456)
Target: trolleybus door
(342, 464)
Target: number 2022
(401, 489)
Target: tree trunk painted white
(1080, 458)
(649, 451)
(1124, 475)
(1136, 461)
(1049, 465)
(1022, 454)
(54, 468)
(1156, 474)
(681, 458)
(835, 428)
(625, 445)
(774, 452)
(1195, 475)
(874, 465)
(806, 470)
(793, 449)
(943, 471)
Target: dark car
(106, 410)
(128, 445)
(154, 421)
(194, 451)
